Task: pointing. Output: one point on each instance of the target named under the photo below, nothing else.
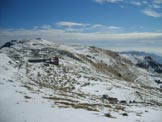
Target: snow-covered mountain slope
(90, 84)
(144, 61)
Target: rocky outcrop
(150, 64)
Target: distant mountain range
(155, 57)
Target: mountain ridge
(88, 78)
(156, 57)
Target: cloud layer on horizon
(85, 31)
(88, 34)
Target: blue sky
(117, 24)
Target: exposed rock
(125, 114)
(123, 102)
(150, 64)
(7, 44)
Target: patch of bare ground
(114, 71)
(109, 115)
(27, 97)
(86, 106)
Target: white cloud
(124, 41)
(150, 49)
(144, 2)
(113, 27)
(151, 7)
(103, 27)
(156, 6)
(104, 39)
(157, 1)
(109, 1)
(84, 27)
(58, 34)
(69, 24)
(43, 27)
(152, 13)
(137, 3)
(121, 6)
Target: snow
(133, 58)
(23, 98)
(14, 107)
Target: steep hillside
(88, 78)
(144, 61)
